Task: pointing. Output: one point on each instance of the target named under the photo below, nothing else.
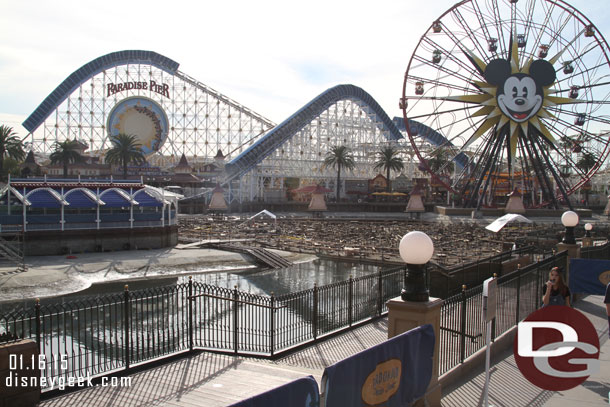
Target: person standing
(556, 292)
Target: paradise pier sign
(142, 117)
(160, 88)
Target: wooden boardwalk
(210, 380)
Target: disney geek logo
(556, 348)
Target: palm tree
(438, 160)
(66, 152)
(586, 162)
(125, 149)
(10, 146)
(389, 161)
(339, 157)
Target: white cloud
(272, 56)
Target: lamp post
(416, 249)
(588, 229)
(569, 219)
(587, 240)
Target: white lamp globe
(588, 227)
(416, 248)
(569, 219)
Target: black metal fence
(445, 282)
(462, 330)
(98, 335)
(596, 252)
(102, 334)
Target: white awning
(499, 223)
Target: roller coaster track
(284, 131)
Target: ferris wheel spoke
(537, 143)
(468, 30)
(576, 116)
(478, 172)
(567, 163)
(528, 25)
(581, 64)
(563, 126)
(576, 75)
(503, 43)
(443, 112)
(601, 138)
(539, 168)
(450, 56)
(442, 69)
(481, 19)
(437, 85)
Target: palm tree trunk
(125, 169)
(338, 182)
(65, 170)
(388, 187)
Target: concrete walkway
(508, 387)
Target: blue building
(58, 216)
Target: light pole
(416, 249)
(588, 229)
(569, 219)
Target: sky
(272, 56)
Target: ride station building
(73, 215)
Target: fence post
(379, 292)
(314, 322)
(493, 321)
(463, 326)
(126, 342)
(518, 293)
(235, 315)
(38, 322)
(191, 299)
(350, 304)
(538, 296)
(272, 324)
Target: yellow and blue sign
(589, 276)
(394, 373)
(141, 117)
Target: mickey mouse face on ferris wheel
(520, 95)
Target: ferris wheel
(519, 92)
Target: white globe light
(588, 226)
(569, 219)
(416, 248)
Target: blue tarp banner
(589, 276)
(393, 374)
(302, 392)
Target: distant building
(402, 184)
(30, 167)
(90, 167)
(60, 216)
(378, 184)
(182, 177)
(356, 188)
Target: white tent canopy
(262, 213)
(499, 223)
